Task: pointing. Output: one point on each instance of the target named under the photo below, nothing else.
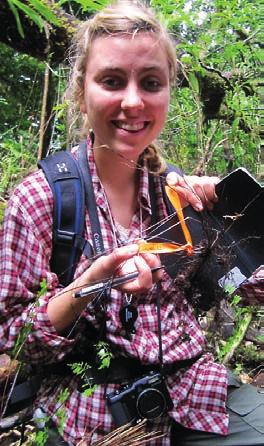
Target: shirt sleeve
(25, 249)
(252, 290)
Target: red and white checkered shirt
(198, 392)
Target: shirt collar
(143, 191)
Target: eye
(151, 84)
(112, 83)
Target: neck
(114, 170)
(120, 181)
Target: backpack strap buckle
(64, 237)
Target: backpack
(73, 193)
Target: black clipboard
(235, 231)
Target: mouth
(133, 128)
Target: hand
(123, 261)
(64, 308)
(199, 192)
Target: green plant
(260, 338)
(38, 11)
(26, 329)
(61, 412)
(39, 438)
(80, 369)
(16, 160)
(103, 354)
(249, 355)
(213, 124)
(243, 317)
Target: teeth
(130, 127)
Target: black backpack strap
(64, 177)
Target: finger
(204, 196)
(212, 194)
(205, 189)
(106, 266)
(144, 280)
(173, 179)
(128, 266)
(189, 196)
(184, 190)
(153, 261)
(194, 190)
(146, 277)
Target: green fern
(36, 10)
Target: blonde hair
(121, 17)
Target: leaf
(104, 354)
(89, 5)
(63, 396)
(236, 299)
(36, 18)
(229, 289)
(43, 288)
(41, 438)
(17, 18)
(79, 368)
(46, 12)
(193, 81)
(90, 390)
(260, 338)
(105, 363)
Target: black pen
(100, 286)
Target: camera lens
(151, 404)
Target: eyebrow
(121, 70)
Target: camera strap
(159, 328)
(90, 201)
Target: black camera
(148, 397)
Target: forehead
(140, 51)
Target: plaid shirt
(198, 392)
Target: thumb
(185, 191)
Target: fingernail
(198, 207)
(133, 249)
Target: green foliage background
(21, 79)
(218, 45)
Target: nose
(132, 98)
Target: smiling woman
(121, 31)
(124, 65)
(126, 104)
